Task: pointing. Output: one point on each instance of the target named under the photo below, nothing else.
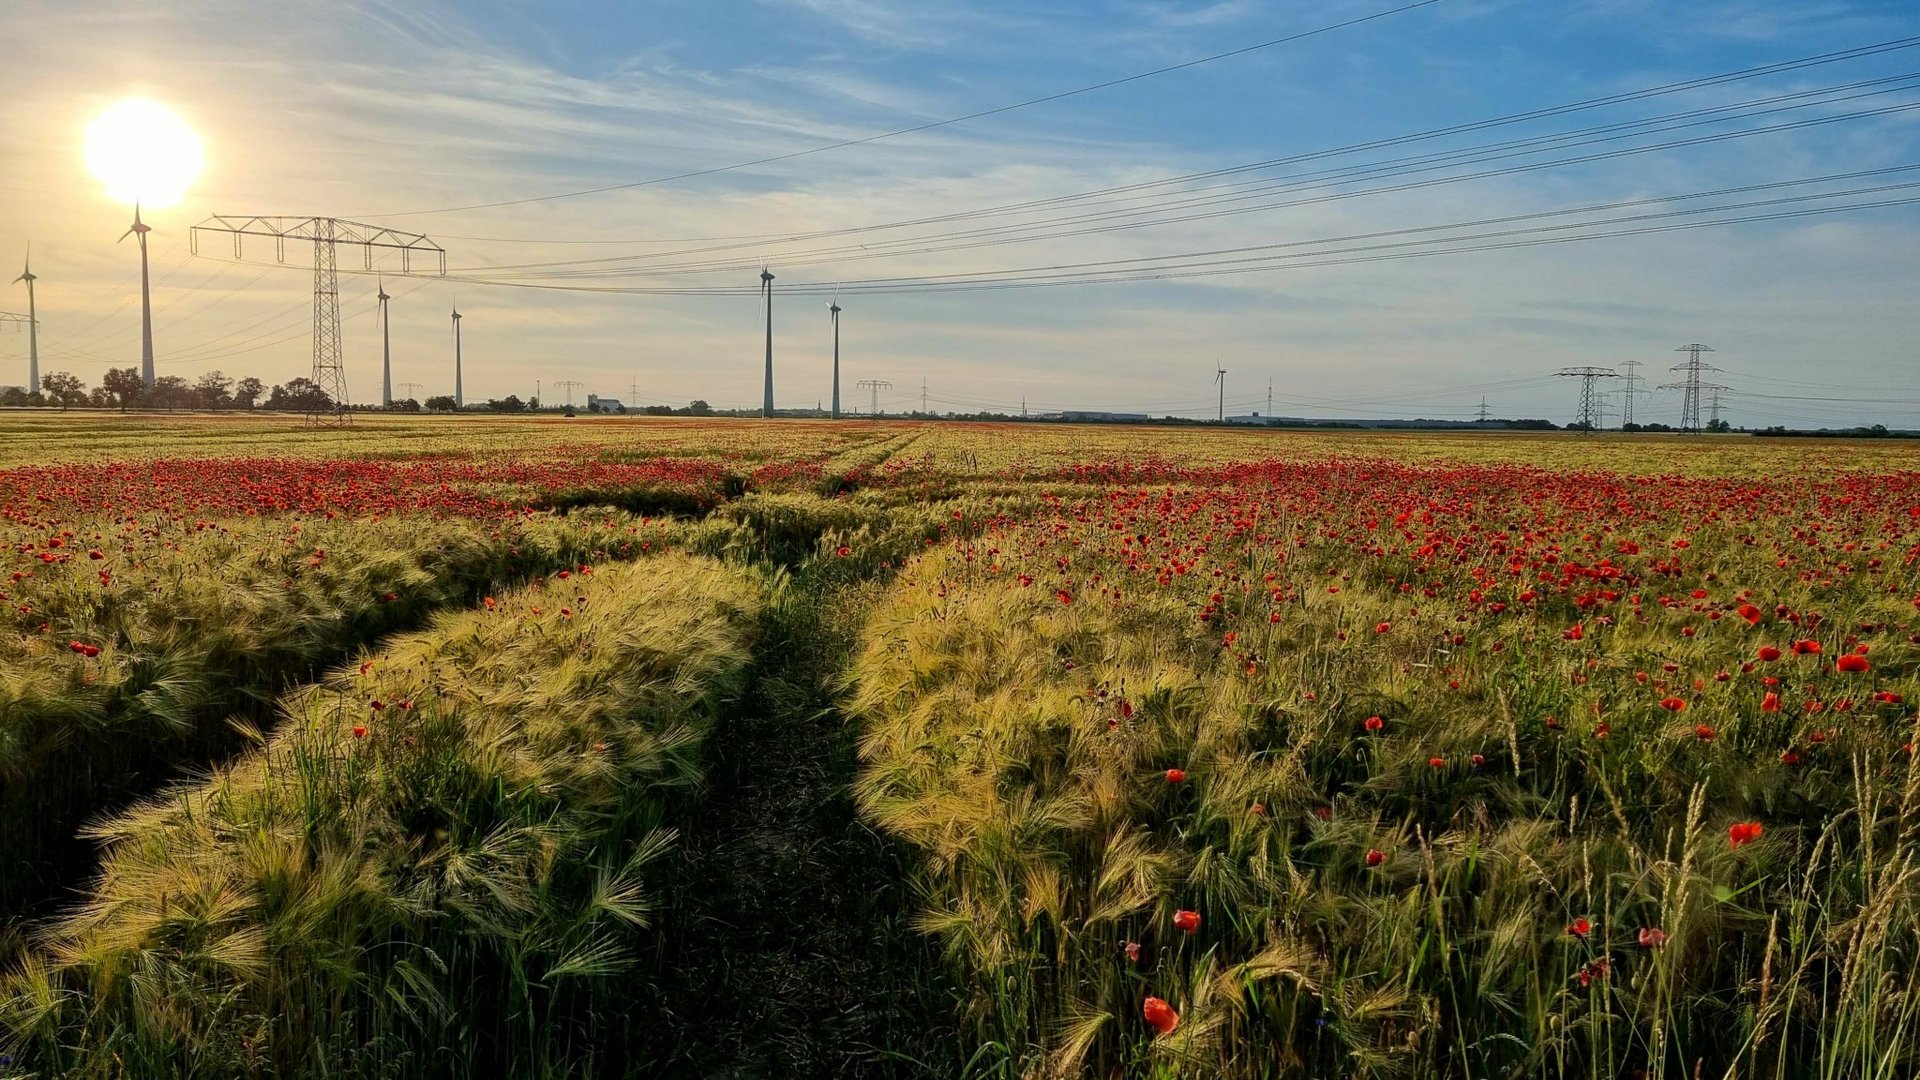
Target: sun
(143, 153)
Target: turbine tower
(833, 312)
(766, 295)
(459, 394)
(1690, 403)
(33, 327)
(1589, 400)
(386, 350)
(141, 229)
(1220, 377)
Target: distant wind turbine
(33, 327)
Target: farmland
(648, 747)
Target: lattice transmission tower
(1690, 403)
(326, 234)
(875, 385)
(1589, 395)
(1631, 389)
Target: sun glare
(142, 152)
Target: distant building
(596, 403)
(1088, 415)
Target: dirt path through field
(788, 950)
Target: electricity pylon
(1713, 403)
(326, 234)
(1631, 389)
(569, 385)
(875, 385)
(1589, 398)
(1690, 403)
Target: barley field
(657, 747)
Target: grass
(1153, 702)
(193, 626)
(452, 880)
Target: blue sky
(370, 110)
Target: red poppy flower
(843, 551)
(1186, 920)
(1673, 704)
(1770, 703)
(1437, 762)
(1063, 596)
(1374, 723)
(1160, 1015)
(1652, 937)
(1743, 832)
(1790, 757)
(1176, 776)
(1768, 653)
(1703, 732)
(1375, 856)
(1580, 927)
(1852, 663)
(1382, 628)
(359, 731)
(1806, 647)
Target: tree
(299, 395)
(247, 391)
(441, 403)
(172, 391)
(1719, 425)
(212, 390)
(405, 405)
(63, 387)
(14, 395)
(699, 408)
(510, 403)
(123, 385)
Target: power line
(1156, 215)
(1663, 89)
(1182, 266)
(931, 125)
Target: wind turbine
(141, 229)
(766, 292)
(386, 350)
(33, 327)
(459, 396)
(833, 312)
(1220, 377)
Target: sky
(391, 113)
